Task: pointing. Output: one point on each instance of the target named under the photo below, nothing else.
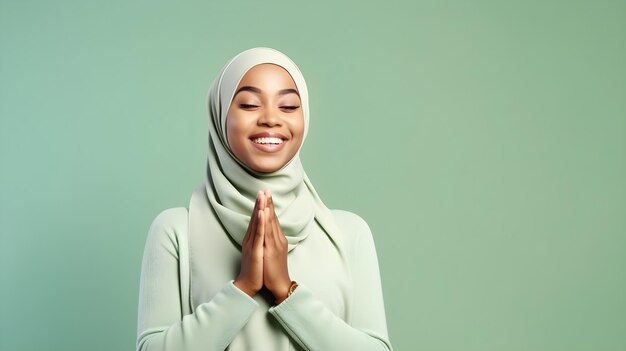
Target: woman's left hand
(275, 270)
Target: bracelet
(292, 287)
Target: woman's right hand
(250, 279)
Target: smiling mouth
(268, 144)
(267, 140)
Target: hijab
(222, 205)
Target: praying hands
(264, 252)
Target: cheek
(298, 129)
(233, 130)
(236, 119)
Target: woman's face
(265, 121)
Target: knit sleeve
(315, 327)
(161, 325)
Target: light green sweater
(346, 314)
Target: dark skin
(270, 109)
(264, 252)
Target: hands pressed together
(264, 252)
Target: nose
(269, 117)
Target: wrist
(243, 287)
(285, 292)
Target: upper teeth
(268, 140)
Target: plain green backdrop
(483, 141)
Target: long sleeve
(315, 327)
(161, 325)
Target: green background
(483, 141)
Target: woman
(257, 261)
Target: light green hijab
(223, 203)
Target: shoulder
(168, 228)
(361, 248)
(353, 227)
(350, 220)
(171, 218)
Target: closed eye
(290, 107)
(247, 106)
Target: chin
(267, 167)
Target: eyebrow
(259, 91)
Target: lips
(268, 135)
(268, 141)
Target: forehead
(268, 75)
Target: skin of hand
(250, 279)
(275, 268)
(264, 252)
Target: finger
(259, 238)
(269, 236)
(257, 201)
(263, 200)
(255, 212)
(251, 230)
(273, 209)
(270, 201)
(280, 237)
(274, 221)
(276, 229)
